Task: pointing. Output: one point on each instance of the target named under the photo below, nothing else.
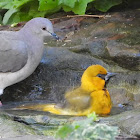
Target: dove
(21, 51)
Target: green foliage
(23, 10)
(50, 6)
(0, 19)
(104, 5)
(87, 130)
(64, 131)
(93, 117)
(78, 7)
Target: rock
(10, 128)
(128, 122)
(29, 137)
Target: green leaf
(69, 3)
(93, 116)
(6, 4)
(0, 19)
(63, 131)
(8, 14)
(67, 8)
(34, 12)
(48, 5)
(13, 15)
(76, 126)
(15, 18)
(19, 17)
(79, 8)
(20, 3)
(104, 5)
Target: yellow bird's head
(94, 78)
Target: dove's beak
(55, 36)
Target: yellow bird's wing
(77, 99)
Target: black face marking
(102, 76)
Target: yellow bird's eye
(102, 76)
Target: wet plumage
(91, 96)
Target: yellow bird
(91, 96)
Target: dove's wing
(13, 53)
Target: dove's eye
(44, 28)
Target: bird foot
(0, 104)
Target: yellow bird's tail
(52, 108)
(40, 107)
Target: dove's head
(40, 27)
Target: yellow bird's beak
(109, 75)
